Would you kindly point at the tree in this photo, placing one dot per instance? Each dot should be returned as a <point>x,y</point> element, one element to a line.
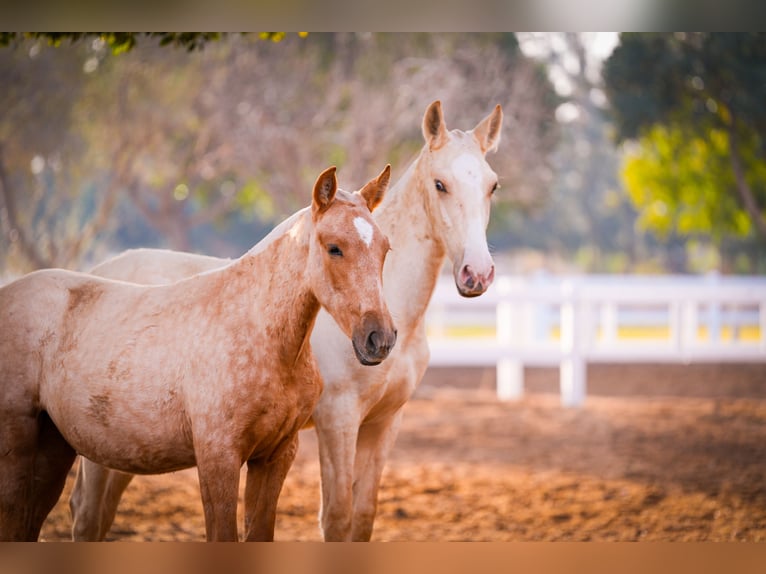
<point>39,91</point>
<point>695,103</point>
<point>583,218</point>
<point>205,150</point>
<point>687,197</point>
<point>85,122</point>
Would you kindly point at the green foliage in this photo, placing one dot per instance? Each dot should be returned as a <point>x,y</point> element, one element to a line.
<point>654,78</point>
<point>695,102</point>
<point>675,180</point>
<point>254,202</point>
<point>121,42</point>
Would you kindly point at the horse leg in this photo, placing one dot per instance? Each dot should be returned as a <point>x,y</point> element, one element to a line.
<point>53,460</point>
<point>34,462</point>
<point>95,497</point>
<point>264,483</point>
<point>18,446</point>
<point>337,446</point>
<point>372,449</point>
<point>218,473</point>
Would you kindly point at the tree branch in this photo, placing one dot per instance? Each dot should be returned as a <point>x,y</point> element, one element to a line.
<point>101,218</point>
<point>11,229</point>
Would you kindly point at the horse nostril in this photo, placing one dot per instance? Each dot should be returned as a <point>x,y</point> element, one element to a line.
<point>373,341</point>
<point>468,277</point>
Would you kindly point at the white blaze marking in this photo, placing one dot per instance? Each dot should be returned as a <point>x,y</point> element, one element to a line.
<point>466,169</point>
<point>365,230</point>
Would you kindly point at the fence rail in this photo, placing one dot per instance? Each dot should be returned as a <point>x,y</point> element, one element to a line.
<point>573,321</point>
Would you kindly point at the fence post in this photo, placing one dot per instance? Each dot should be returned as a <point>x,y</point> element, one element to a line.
<point>762,324</point>
<point>609,323</point>
<point>510,332</point>
<point>714,309</point>
<point>675,324</point>
<point>572,368</point>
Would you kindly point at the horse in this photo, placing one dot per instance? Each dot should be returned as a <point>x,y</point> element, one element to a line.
<point>215,370</point>
<point>439,208</point>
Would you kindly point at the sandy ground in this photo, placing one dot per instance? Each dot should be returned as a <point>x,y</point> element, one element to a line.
<point>674,453</point>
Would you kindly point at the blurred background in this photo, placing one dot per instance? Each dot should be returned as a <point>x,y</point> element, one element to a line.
<point>629,235</point>
<point>629,154</point>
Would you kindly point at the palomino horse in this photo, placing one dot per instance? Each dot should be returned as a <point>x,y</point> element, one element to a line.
<point>215,370</point>
<point>439,208</point>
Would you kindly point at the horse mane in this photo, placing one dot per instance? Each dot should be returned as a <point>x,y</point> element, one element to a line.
<point>281,229</point>
<point>292,225</point>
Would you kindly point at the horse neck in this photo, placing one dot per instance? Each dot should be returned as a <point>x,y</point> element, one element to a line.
<point>271,285</point>
<point>416,258</point>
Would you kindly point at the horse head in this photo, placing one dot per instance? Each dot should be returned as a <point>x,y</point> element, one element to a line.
<point>459,185</point>
<point>346,257</point>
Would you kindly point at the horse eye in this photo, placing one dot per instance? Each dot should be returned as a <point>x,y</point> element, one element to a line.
<point>494,188</point>
<point>334,251</point>
<point>440,186</point>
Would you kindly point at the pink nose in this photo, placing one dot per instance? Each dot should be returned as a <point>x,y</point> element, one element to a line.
<point>473,283</point>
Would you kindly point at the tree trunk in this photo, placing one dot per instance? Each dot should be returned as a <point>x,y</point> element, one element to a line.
<point>743,188</point>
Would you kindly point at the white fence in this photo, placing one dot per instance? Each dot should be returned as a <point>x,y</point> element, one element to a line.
<point>570,322</point>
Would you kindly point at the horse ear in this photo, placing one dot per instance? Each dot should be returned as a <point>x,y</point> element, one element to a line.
<point>324,190</point>
<point>487,131</point>
<point>375,189</point>
<point>434,127</point>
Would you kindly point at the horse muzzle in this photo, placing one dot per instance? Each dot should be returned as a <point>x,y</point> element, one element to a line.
<point>471,283</point>
<point>373,341</point>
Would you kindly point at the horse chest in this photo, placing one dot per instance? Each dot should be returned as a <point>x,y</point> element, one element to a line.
<point>386,391</point>
<point>280,407</point>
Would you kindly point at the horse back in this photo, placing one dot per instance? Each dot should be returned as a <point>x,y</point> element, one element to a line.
<point>156,266</point>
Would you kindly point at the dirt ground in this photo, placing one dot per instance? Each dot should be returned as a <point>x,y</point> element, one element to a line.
<point>673,453</point>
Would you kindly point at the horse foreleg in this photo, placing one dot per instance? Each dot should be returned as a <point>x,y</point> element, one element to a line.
<point>262,489</point>
<point>372,449</point>
<point>337,445</point>
<point>94,500</point>
<point>218,473</point>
